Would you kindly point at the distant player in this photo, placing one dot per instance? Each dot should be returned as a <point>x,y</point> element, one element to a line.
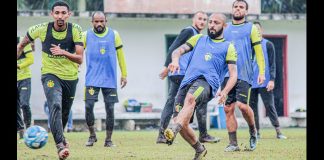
<point>265,89</point>
<point>24,87</point>
<point>103,46</point>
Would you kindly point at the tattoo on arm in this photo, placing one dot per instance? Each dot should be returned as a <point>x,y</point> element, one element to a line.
<point>184,49</point>
<point>24,42</point>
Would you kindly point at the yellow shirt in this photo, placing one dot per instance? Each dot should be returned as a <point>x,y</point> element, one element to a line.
<point>24,61</point>
<point>60,66</point>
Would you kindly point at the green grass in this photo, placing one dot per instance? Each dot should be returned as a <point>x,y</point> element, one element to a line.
<point>140,145</point>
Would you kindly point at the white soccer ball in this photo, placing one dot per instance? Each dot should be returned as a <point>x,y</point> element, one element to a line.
<point>35,137</point>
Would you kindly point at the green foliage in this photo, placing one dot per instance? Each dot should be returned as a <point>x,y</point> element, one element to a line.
<point>283,6</point>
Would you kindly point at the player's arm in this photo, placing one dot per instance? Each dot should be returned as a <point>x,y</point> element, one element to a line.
<point>272,65</point>
<point>78,41</point>
<point>29,60</point>
<point>84,37</point>
<point>272,60</point>
<point>184,35</point>
<point>231,58</point>
<point>256,43</point>
<point>21,45</point>
<point>121,59</point>
<point>185,48</point>
<point>32,33</point>
<point>180,39</point>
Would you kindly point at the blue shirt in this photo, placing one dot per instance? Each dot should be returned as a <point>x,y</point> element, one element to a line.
<point>185,59</point>
<point>267,67</point>
<point>101,60</point>
<point>239,35</point>
<point>208,60</point>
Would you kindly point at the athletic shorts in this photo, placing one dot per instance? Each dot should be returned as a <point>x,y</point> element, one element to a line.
<point>109,94</point>
<point>199,88</point>
<point>240,92</point>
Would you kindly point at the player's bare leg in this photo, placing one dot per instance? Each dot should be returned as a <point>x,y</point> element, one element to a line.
<point>182,118</point>
<point>231,125</point>
<point>182,126</point>
<point>248,115</point>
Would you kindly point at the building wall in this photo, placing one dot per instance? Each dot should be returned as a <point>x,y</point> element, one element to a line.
<point>145,52</point>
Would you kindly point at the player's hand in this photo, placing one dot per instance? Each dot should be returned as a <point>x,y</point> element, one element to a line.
<point>270,86</point>
<point>261,79</point>
<point>222,97</point>
<point>56,50</point>
<point>174,67</point>
<point>123,82</point>
<point>163,73</point>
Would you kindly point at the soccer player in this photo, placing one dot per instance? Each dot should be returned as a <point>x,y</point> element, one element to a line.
<point>265,89</point>
<point>245,37</point>
<point>103,46</point>
<point>199,21</point>
<point>24,87</point>
<point>62,52</point>
<point>211,55</point>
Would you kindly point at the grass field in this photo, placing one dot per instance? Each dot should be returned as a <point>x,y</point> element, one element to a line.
<point>140,145</point>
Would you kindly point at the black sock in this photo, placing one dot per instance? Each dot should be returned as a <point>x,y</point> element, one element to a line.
<point>252,130</point>
<point>198,147</point>
<point>232,138</point>
<point>108,135</point>
<point>278,130</point>
<point>92,131</point>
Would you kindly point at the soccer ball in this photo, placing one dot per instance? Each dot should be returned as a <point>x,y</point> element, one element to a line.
<point>35,137</point>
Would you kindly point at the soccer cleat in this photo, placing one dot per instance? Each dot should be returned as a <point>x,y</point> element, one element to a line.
<point>161,139</point>
<point>281,136</point>
<point>208,138</point>
<point>91,141</point>
<point>232,148</point>
<point>108,143</point>
<point>200,155</point>
<point>63,152</point>
<point>253,142</point>
<point>169,136</point>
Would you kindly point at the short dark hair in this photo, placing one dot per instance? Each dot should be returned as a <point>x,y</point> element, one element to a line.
<point>247,5</point>
<point>98,12</point>
<point>257,22</point>
<point>60,3</point>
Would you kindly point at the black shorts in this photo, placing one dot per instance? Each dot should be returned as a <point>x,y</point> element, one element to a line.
<point>109,94</point>
<point>240,92</point>
<point>199,88</point>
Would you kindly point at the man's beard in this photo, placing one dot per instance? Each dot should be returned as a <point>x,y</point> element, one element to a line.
<point>214,35</point>
<point>238,18</point>
<point>100,29</point>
